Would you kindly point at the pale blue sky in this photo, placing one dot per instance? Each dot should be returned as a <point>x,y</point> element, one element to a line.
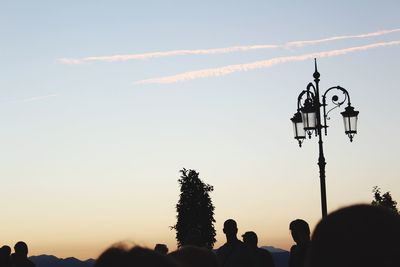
<point>89,157</point>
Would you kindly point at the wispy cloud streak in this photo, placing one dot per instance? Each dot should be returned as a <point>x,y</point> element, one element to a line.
<point>221,71</point>
<point>337,38</point>
<point>152,55</point>
<point>35,98</point>
<point>226,50</point>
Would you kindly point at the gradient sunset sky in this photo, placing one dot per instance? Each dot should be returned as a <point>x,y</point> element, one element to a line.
<point>103,102</point>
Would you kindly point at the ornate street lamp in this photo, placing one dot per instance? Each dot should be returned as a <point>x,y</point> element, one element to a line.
<point>298,128</point>
<point>309,119</point>
<point>350,121</point>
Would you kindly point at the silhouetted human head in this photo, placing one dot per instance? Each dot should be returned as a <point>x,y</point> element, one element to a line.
<point>357,236</point>
<point>230,228</point>
<point>192,256</point>
<point>5,251</point>
<point>161,248</point>
<point>250,239</point>
<point>300,231</point>
<point>121,256</point>
<point>21,248</point>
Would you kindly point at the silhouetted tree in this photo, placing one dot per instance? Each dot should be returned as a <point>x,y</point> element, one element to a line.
<point>384,200</point>
<point>195,218</point>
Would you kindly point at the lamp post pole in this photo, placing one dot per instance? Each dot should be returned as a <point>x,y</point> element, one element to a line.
<point>309,119</point>
<point>321,157</point>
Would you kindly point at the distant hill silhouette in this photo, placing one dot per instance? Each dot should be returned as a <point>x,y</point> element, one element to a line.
<point>281,257</point>
<point>274,249</point>
<point>52,261</point>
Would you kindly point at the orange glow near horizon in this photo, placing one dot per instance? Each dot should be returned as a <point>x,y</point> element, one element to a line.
<point>78,246</point>
<point>87,250</point>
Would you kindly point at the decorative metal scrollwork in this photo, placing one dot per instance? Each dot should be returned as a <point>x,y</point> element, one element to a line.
<point>337,101</point>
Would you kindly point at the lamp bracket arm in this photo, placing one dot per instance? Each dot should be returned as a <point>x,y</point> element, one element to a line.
<point>299,99</point>
<point>327,113</point>
<point>309,95</point>
<point>337,101</point>
<point>339,88</point>
<point>311,85</point>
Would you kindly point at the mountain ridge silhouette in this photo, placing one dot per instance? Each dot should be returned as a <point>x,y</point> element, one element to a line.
<point>53,261</point>
<point>280,257</point>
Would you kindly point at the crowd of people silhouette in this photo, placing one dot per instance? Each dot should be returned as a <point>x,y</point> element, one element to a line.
<point>17,259</point>
<point>355,236</point>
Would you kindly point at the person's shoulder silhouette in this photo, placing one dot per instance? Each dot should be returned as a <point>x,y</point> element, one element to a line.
<point>299,252</point>
<point>233,253</point>
<point>261,257</point>
<point>357,236</point>
<point>5,256</point>
<point>20,256</point>
<point>122,256</point>
<point>161,248</point>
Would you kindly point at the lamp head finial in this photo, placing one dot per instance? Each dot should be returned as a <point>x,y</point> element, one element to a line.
<point>316,73</point>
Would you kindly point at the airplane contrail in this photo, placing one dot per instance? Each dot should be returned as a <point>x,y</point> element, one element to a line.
<point>221,71</point>
<point>343,37</point>
<point>151,55</point>
<point>34,98</point>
